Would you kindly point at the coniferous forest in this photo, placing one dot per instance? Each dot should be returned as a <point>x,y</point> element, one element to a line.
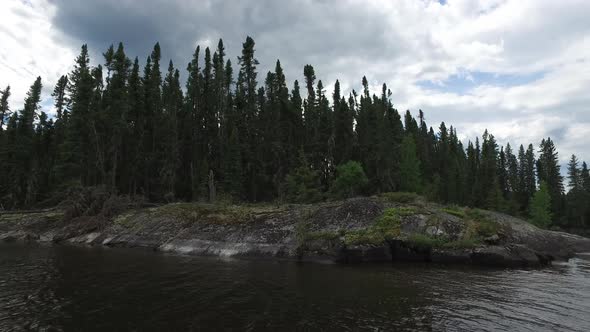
<point>228,133</point>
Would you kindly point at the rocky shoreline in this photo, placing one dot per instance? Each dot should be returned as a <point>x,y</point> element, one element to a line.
<point>368,229</point>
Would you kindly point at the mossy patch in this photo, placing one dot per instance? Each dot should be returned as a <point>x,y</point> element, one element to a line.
<point>454,211</point>
<point>386,227</point>
<point>425,242</point>
<point>51,216</point>
<point>478,226</point>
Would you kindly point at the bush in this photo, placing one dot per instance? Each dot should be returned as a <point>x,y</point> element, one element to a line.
<point>400,197</point>
<point>350,180</point>
<point>94,201</point>
<point>363,237</point>
<point>540,207</point>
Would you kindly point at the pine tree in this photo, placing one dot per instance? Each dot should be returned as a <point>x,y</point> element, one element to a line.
<point>528,186</point>
<point>548,171</point>
<point>325,138</point>
<point>390,138</point>
<point>577,198</point>
<point>4,107</point>
<point>573,174</point>
<point>73,159</point>
<point>134,157</point>
<point>116,109</point>
<point>410,177</point>
<point>24,174</point>
<point>167,132</point>
<point>247,108</point>
<point>513,180</point>
<point>191,131</point>
<point>152,82</point>
<point>585,179</point>
<point>343,127</point>
<point>139,134</point>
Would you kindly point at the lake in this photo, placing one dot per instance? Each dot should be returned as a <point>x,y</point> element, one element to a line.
<point>64,288</point>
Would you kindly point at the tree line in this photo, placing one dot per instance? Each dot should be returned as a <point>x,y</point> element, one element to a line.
<point>138,131</point>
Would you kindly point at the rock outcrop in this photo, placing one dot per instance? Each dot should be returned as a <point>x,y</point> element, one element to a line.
<point>357,230</point>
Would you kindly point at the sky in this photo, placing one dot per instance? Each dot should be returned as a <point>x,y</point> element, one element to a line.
<point>520,68</point>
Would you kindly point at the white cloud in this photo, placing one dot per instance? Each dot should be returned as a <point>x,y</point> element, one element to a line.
<point>30,47</point>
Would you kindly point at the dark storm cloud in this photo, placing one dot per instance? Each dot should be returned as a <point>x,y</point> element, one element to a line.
<point>296,32</point>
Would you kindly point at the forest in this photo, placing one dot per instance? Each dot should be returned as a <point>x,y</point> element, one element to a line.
<point>228,134</point>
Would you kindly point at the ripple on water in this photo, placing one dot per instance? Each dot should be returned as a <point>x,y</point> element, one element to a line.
<point>66,288</point>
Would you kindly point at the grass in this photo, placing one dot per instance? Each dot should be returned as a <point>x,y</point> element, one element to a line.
<point>400,197</point>
<point>480,225</point>
<point>370,236</point>
<point>454,211</point>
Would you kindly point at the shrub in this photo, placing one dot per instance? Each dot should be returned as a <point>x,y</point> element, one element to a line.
<point>425,242</point>
<point>303,185</point>
<point>364,236</point>
<point>350,180</point>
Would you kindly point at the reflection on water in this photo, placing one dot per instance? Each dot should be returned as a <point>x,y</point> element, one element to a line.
<point>99,289</point>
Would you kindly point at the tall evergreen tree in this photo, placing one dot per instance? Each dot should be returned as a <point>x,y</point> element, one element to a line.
<point>577,197</point>
<point>247,108</point>
<point>343,127</point>
<point>410,177</point>
<point>74,160</point>
<point>4,107</point>
<point>548,171</point>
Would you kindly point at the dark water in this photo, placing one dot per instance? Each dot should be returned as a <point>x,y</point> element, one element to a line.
<point>79,289</point>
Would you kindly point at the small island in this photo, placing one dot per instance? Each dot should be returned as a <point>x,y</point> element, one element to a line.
<point>386,228</point>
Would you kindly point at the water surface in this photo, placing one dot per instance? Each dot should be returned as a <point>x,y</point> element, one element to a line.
<point>55,288</point>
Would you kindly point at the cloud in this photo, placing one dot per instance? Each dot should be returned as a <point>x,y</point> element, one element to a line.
<point>31,47</point>
<point>520,68</point>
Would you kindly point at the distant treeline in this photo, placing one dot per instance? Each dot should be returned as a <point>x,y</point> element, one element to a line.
<point>138,132</point>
